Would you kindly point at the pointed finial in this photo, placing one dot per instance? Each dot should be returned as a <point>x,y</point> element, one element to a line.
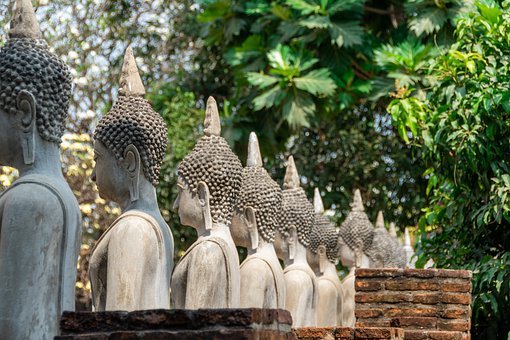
<point>393,230</point>
<point>24,23</point>
<point>357,203</point>
<point>130,83</point>
<point>407,238</point>
<point>254,157</point>
<point>379,223</point>
<point>291,179</point>
<point>317,202</point>
<point>212,124</point>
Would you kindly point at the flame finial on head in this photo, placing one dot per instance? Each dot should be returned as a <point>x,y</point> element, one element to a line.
<point>379,223</point>
<point>130,83</point>
<point>254,157</point>
<point>212,124</point>
<point>407,238</point>
<point>24,23</point>
<point>357,203</point>
<point>291,179</point>
<point>317,202</point>
<point>393,230</point>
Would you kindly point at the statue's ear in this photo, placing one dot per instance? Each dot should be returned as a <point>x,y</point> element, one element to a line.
<point>132,164</point>
<point>321,251</point>
<point>251,221</point>
<point>292,242</point>
<point>26,118</point>
<point>204,199</point>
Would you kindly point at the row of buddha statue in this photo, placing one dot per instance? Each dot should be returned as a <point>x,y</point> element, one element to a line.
<point>131,265</point>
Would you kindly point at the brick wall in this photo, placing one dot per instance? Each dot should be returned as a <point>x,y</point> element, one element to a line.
<point>426,303</point>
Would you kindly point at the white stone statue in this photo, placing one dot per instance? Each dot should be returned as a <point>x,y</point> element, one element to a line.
<point>292,238</point>
<point>256,217</point>
<point>408,249</point>
<point>131,264</point>
<point>40,220</point>
<point>209,180</point>
<point>322,255</point>
<point>385,251</point>
<point>355,236</point>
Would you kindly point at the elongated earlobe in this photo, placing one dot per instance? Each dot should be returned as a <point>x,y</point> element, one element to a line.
<point>321,251</point>
<point>249,215</point>
<point>132,164</point>
<point>26,119</point>
<point>292,242</point>
<point>203,195</point>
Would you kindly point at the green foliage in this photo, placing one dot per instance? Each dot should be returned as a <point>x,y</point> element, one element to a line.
<point>461,126</point>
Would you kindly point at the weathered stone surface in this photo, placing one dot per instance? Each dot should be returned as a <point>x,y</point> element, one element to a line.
<point>368,286</point>
<point>378,333</point>
<point>347,333</point>
<point>366,272</point>
<point>398,312</point>
<point>460,298</point>
<point>434,335</point>
<point>409,284</point>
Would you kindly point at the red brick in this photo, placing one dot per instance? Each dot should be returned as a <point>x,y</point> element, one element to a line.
<point>453,325</point>
<point>396,312</point>
<point>418,322</point>
<point>314,333</point>
<point>421,273</point>
<point>344,333</point>
<point>378,333</point>
<point>367,272</point>
<point>432,335</point>
<point>464,287</point>
<point>459,274</point>
<point>411,284</point>
<point>368,285</point>
<point>369,313</point>
<point>381,322</point>
<point>426,298</point>
<point>455,313</point>
<point>386,297</point>
<point>460,298</point>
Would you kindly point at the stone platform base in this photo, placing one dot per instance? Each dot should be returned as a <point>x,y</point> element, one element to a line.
<point>345,333</point>
<point>249,324</point>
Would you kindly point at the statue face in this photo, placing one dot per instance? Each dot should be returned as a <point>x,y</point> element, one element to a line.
<point>281,246</point>
<point>346,254</point>
<point>110,177</point>
<point>239,230</point>
<point>313,260</point>
<point>9,143</point>
<point>189,207</point>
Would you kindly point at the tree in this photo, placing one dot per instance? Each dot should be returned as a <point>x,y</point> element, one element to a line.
<point>461,127</point>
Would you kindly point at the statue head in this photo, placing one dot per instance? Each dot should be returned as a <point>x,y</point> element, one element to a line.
<point>259,202</point>
<point>209,177</point>
<point>35,90</point>
<point>130,141</point>
<point>380,251</point>
<point>296,217</point>
<point>356,234</point>
<point>323,238</point>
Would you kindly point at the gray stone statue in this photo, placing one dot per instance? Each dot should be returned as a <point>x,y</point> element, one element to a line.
<point>322,256</point>
<point>209,180</point>
<point>385,251</point>
<point>355,236</point>
<point>291,241</point>
<point>131,264</point>
<point>40,220</point>
<point>255,219</point>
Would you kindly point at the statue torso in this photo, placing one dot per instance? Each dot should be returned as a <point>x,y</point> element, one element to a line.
<point>207,275</point>
<point>301,285</point>
<point>38,252</point>
<point>152,291</point>
<point>330,301</point>
<point>348,303</point>
<point>267,266</point>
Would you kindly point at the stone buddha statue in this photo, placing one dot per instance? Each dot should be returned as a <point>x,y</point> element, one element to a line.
<point>408,250</point>
<point>131,264</point>
<point>322,255</point>
<point>209,181</point>
<point>355,236</point>
<point>254,224</point>
<point>384,252</point>
<point>40,220</point>
<point>292,239</point>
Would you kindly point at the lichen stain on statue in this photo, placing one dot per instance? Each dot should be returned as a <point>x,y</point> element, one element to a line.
<point>322,255</point>
<point>292,238</point>
<point>131,264</point>
<point>254,223</point>
<point>40,221</point>
<point>209,180</point>
<point>354,237</point>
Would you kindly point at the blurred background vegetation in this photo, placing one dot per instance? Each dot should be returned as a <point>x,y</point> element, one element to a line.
<point>407,100</point>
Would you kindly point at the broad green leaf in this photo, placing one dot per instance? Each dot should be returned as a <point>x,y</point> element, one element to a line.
<point>260,79</point>
<point>281,12</point>
<point>233,27</point>
<point>346,33</point>
<point>297,109</point>
<point>316,21</point>
<point>303,6</point>
<point>427,21</point>
<point>316,82</point>
<point>267,99</point>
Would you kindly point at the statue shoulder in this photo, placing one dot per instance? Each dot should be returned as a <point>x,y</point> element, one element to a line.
<point>134,227</point>
<point>327,286</point>
<point>297,277</point>
<point>255,266</point>
<point>30,199</point>
<point>205,249</point>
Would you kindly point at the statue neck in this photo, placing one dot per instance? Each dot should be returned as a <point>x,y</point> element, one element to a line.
<point>330,269</point>
<point>147,199</point>
<point>264,247</point>
<point>218,229</point>
<point>299,256</point>
<point>46,161</point>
